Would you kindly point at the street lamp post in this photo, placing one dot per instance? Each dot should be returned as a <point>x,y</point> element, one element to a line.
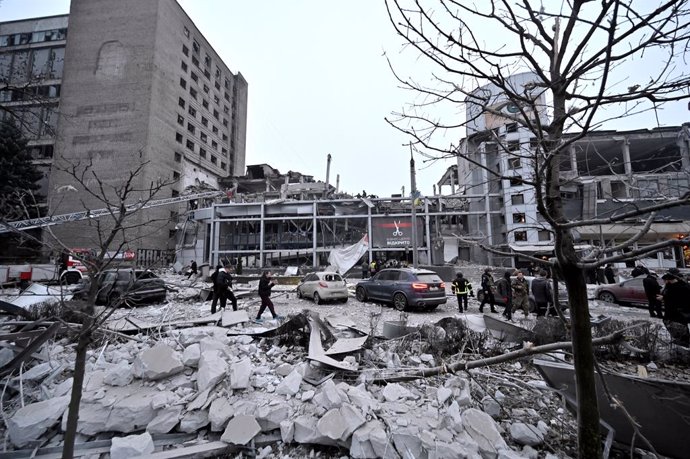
<point>413,195</point>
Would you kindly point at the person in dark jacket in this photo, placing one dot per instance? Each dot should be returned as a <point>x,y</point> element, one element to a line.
<point>639,270</point>
<point>652,289</point>
<point>505,291</point>
<point>222,287</point>
<point>542,293</point>
<point>193,270</point>
<point>520,293</point>
<point>216,291</point>
<point>462,287</point>
<point>488,289</point>
<point>265,285</point>
<point>676,308</point>
<point>365,269</point>
<point>609,274</point>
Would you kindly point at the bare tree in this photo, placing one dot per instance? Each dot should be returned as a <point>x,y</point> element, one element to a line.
<point>113,233</point>
<point>590,63</point>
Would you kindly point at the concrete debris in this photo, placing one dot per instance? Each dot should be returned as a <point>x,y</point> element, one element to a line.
<point>287,431</point>
<point>329,396</point>
<point>193,421</point>
<point>240,430</point>
<point>165,420</point>
<point>408,443</point>
<point>443,394</point>
<point>212,368</point>
<point>240,372</point>
<point>119,375</point>
<point>484,431</point>
<point>525,434</point>
<point>157,362</point>
<point>191,355</point>
<point>491,407</point>
<point>290,384</point>
<point>131,446</point>
<point>270,417</point>
<point>394,392</point>
<point>219,413</point>
<point>306,431</point>
<point>31,421</point>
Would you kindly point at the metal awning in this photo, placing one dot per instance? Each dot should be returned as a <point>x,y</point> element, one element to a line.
<point>531,248</point>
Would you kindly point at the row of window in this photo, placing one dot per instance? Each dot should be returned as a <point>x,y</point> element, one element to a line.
<point>208,62</point>
<point>521,236</point>
<point>33,37</point>
<point>190,145</point>
<point>31,93</point>
<point>205,122</point>
<point>206,89</point>
<point>27,65</point>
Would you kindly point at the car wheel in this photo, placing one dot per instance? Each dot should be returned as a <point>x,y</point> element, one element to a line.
<point>299,294</point>
<point>361,294</point>
<point>317,298</point>
<point>608,297</point>
<point>400,301</point>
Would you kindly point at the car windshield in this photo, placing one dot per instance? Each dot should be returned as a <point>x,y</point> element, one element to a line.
<point>332,277</point>
<point>429,278</point>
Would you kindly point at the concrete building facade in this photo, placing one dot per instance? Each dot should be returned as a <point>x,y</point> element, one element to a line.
<point>141,85</point>
<point>603,173</point>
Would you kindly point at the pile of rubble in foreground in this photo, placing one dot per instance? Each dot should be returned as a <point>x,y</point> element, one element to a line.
<point>274,392</point>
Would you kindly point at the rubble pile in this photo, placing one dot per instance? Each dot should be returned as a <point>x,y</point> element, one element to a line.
<point>236,389</point>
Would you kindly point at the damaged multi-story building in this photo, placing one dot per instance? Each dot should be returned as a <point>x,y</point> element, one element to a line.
<point>604,173</point>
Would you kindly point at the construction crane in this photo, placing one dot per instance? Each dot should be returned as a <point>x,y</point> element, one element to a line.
<point>23,225</point>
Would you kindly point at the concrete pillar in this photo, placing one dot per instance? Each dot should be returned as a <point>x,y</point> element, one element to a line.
<point>627,163</point>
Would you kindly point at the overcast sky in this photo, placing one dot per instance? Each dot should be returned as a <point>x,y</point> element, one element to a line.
<point>318,83</point>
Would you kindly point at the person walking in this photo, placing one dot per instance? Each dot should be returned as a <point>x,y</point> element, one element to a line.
<point>229,294</point>
<point>488,289</point>
<point>520,294</point>
<point>542,292</point>
<point>676,308</point>
<point>505,291</point>
<point>462,287</point>
<point>372,268</point>
<point>652,289</point>
<point>365,269</point>
<point>609,274</point>
<point>639,270</point>
<point>216,289</point>
<point>192,270</point>
<point>265,285</point>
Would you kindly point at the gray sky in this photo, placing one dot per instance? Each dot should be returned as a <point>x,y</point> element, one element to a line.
<point>318,84</point>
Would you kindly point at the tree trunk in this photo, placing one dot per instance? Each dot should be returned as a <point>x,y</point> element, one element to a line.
<point>75,400</point>
<point>589,444</point>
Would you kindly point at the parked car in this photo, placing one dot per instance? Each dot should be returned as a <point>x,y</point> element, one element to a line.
<point>629,291</point>
<point>403,288</point>
<point>131,286</point>
<point>323,286</point>
<point>562,294</point>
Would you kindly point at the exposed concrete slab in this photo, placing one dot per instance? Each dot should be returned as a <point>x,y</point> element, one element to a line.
<point>157,362</point>
<point>290,384</point>
<point>483,430</point>
<point>193,421</point>
<point>219,413</point>
<point>30,422</point>
<point>240,372</point>
<point>191,355</point>
<point>231,318</point>
<point>212,368</point>
<point>131,446</point>
<point>525,434</point>
<point>240,430</point>
<point>165,420</point>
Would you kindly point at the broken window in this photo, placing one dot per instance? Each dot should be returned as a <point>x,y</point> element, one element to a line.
<point>648,188</point>
<point>519,217</point>
<point>544,235</point>
<point>517,199</point>
<point>520,236</point>
<point>511,127</point>
<point>513,145</point>
<point>514,163</point>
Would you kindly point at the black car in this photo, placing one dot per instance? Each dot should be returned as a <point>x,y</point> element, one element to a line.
<point>403,288</point>
<point>127,286</point>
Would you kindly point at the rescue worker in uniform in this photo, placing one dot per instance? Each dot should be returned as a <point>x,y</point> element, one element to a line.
<point>505,291</point>
<point>520,293</point>
<point>462,287</point>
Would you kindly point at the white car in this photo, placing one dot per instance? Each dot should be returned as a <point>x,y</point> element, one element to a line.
<point>323,286</point>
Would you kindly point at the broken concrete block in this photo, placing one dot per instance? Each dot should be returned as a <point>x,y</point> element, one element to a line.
<point>380,442</point>
<point>491,407</point>
<point>444,450</point>
<point>191,355</point>
<point>212,344</point>
<point>157,362</point>
<point>212,368</point>
<point>290,384</point>
<point>283,369</point>
<point>362,399</point>
<point>119,374</point>
<point>6,356</point>
<point>193,335</point>
<point>240,372</point>
<point>360,447</point>
<point>407,443</point>
<point>219,413</point>
<point>240,430</point>
<point>331,424</point>
<point>483,429</point>
<point>30,422</point>
<point>270,417</point>
<point>131,446</point>
<point>165,420</point>
<point>354,419</point>
<point>162,399</point>
<point>194,420</point>
<point>394,392</point>
<point>443,394</point>
<point>306,431</point>
<point>287,431</point>
<point>64,388</point>
<point>329,396</point>
<point>525,434</point>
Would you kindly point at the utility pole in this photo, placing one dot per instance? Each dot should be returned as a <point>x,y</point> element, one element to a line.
<point>413,195</point>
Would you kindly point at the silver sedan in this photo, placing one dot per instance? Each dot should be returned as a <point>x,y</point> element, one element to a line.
<point>323,286</point>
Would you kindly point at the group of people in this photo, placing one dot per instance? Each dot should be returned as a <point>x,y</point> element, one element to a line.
<point>670,303</point>
<point>514,292</point>
<point>222,291</point>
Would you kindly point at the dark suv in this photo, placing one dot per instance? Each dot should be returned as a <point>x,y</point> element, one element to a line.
<point>127,285</point>
<point>404,287</point>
